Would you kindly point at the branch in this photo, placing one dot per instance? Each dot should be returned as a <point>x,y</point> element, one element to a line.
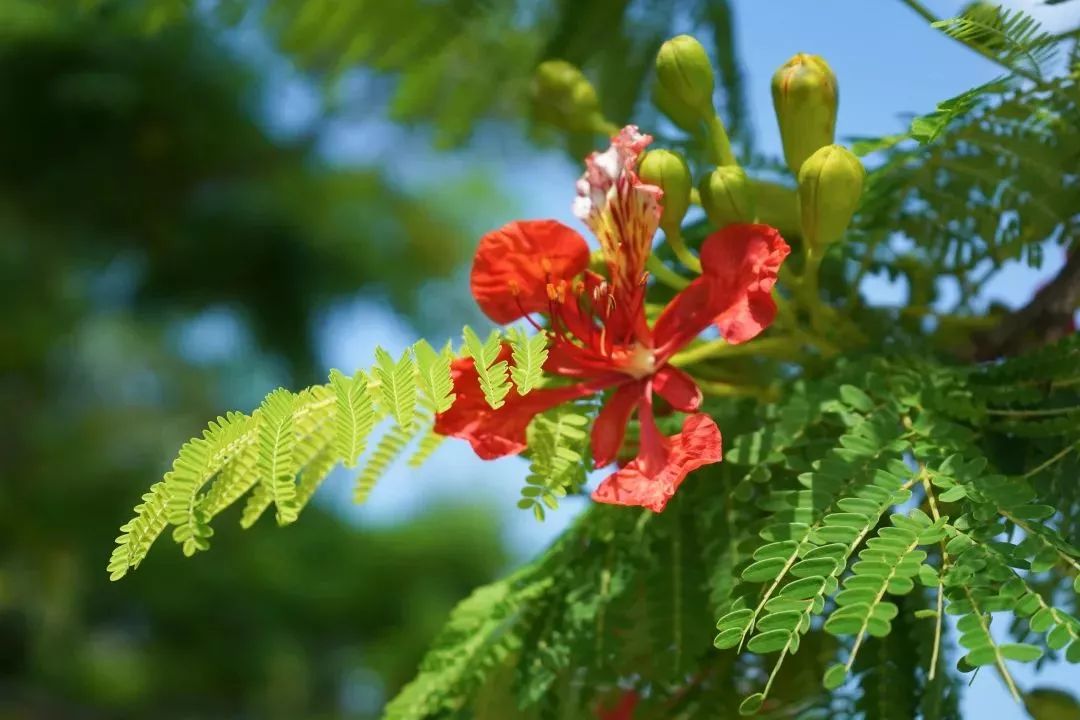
<point>1048,317</point>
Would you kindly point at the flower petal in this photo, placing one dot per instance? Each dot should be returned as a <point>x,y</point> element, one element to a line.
<point>623,708</point>
<point>495,433</point>
<point>641,484</point>
<point>610,427</point>
<point>621,210</point>
<point>514,265</point>
<point>741,262</point>
<point>678,388</point>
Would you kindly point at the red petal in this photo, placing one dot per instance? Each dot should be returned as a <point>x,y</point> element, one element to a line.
<point>514,264</point>
<point>610,426</point>
<point>622,710</point>
<point>640,484</point>
<point>678,388</point>
<point>741,262</point>
<point>495,433</point>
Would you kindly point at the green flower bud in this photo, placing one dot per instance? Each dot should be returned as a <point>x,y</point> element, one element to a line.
<point>830,185</point>
<point>685,75</point>
<point>668,171</point>
<point>682,115</point>
<point>804,97</point>
<point>564,97</point>
<point>727,196</point>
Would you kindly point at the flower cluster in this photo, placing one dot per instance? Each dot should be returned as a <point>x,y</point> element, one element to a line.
<point>600,337</point>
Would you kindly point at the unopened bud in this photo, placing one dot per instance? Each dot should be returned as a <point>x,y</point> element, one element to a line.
<point>685,75</point>
<point>682,115</point>
<point>668,171</point>
<point>727,196</point>
<point>564,97</point>
<point>830,185</point>
<point>805,98</point>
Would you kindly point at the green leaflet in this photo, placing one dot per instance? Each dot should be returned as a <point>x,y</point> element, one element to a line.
<point>529,353</point>
<point>139,533</point>
<point>388,449</point>
<point>355,415</point>
<point>558,444</point>
<point>282,452</point>
<point>276,462</point>
<point>1013,38</point>
<point>397,386</point>
<point>433,375</point>
<point>492,375</point>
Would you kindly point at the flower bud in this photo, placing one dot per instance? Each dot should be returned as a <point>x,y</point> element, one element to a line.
<point>830,185</point>
<point>727,196</point>
<point>685,75</point>
<point>668,171</point>
<point>564,97</point>
<point>682,115</point>
<point>804,97</point>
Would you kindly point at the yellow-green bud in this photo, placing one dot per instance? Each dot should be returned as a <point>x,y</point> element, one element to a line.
<point>564,97</point>
<point>830,185</point>
<point>804,96</point>
<point>685,75</point>
<point>727,196</point>
<point>682,115</point>
<point>668,171</point>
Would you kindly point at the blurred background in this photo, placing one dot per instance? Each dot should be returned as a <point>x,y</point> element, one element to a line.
<point>200,201</point>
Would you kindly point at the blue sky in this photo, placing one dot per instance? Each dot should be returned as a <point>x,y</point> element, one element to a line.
<point>889,64</point>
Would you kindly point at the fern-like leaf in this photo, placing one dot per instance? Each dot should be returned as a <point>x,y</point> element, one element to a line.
<point>529,352</point>
<point>1012,37</point>
<point>355,415</point>
<point>493,375</point>
<point>139,533</point>
<point>388,449</point>
<point>397,386</point>
<point>433,372</point>
<point>276,461</point>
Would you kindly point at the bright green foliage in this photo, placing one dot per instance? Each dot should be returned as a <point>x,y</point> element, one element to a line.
<point>140,532</point>
<point>1012,38</point>
<point>529,353</point>
<point>558,446</point>
<point>355,415</point>
<point>276,462</point>
<point>397,386</point>
<point>491,371</point>
<point>280,454</point>
<point>433,374</point>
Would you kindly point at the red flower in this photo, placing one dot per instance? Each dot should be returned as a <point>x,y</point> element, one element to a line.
<point>622,710</point>
<point>600,336</point>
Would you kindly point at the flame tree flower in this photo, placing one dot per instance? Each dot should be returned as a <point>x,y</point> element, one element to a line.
<point>599,334</point>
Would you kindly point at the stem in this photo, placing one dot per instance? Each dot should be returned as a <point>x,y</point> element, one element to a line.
<point>665,274</point>
<point>678,246</point>
<point>936,514</point>
<point>1003,671</point>
<point>1035,471</point>
<point>717,143</point>
<point>922,10</point>
<point>808,287</point>
<point>783,346</point>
